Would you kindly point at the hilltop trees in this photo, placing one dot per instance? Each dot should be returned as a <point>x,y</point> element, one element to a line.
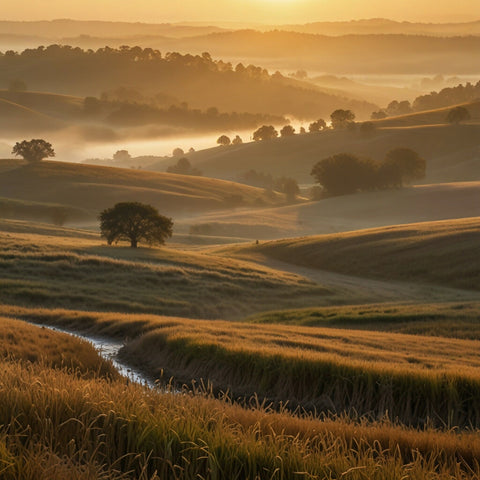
<point>346,173</point>
<point>134,222</point>
<point>34,150</point>
<point>224,141</point>
<point>287,131</point>
<point>320,124</point>
<point>266,132</point>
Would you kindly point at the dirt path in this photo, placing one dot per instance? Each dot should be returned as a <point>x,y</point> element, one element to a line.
<point>351,289</point>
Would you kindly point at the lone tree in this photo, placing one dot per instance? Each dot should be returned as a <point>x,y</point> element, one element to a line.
<point>224,141</point>
<point>237,140</point>
<point>266,132</point>
<point>33,150</point>
<point>457,115</point>
<point>342,118</point>
<point>134,222</point>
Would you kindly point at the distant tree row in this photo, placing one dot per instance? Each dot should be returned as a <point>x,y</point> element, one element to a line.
<point>129,113</point>
<point>225,141</point>
<point>339,119</point>
<point>444,98</point>
<point>346,173</point>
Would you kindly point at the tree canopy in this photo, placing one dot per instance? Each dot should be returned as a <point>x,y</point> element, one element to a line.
<point>135,222</point>
<point>341,118</point>
<point>346,173</point>
<point>223,140</point>
<point>287,131</point>
<point>266,132</point>
<point>33,150</point>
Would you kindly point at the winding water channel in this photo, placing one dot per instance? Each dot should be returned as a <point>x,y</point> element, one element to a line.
<point>109,349</point>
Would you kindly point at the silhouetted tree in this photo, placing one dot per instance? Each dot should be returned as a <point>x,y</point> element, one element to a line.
<point>134,222</point>
<point>342,118</point>
<point>302,131</point>
<point>344,173</point>
<point>399,108</point>
<point>288,186</point>
<point>407,162</point>
<point>33,150</point>
<point>122,156</point>
<point>237,140</point>
<point>266,132</point>
<point>287,131</point>
<point>178,152</point>
<point>457,115</point>
<point>380,115</point>
<point>224,140</point>
<point>320,124</point>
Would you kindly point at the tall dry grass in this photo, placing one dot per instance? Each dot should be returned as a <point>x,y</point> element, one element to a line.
<point>416,380</point>
<point>23,342</point>
<point>55,425</point>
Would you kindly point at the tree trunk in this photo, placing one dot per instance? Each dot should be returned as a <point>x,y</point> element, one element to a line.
<point>133,243</point>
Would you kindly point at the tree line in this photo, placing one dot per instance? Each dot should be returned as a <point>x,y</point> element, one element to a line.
<point>444,98</point>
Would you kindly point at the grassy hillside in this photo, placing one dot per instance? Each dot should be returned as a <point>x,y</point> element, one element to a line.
<point>451,152</point>
<point>94,188</point>
<point>66,268</point>
<point>346,213</point>
<point>443,252</point>
<point>51,104</point>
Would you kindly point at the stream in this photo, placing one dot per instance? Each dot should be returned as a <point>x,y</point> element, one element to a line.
<point>108,349</point>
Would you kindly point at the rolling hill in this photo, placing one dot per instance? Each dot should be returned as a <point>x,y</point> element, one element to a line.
<point>436,116</point>
<point>349,212</point>
<point>445,252</point>
<point>94,188</point>
<point>451,151</point>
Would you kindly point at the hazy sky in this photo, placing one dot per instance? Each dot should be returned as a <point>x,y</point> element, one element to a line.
<point>255,11</point>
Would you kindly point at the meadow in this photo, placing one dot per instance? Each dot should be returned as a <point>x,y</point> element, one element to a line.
<point>267,376</point>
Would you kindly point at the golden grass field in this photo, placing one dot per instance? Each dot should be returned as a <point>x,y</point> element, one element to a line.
<point>105,428</point>
<point>362,391</point>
